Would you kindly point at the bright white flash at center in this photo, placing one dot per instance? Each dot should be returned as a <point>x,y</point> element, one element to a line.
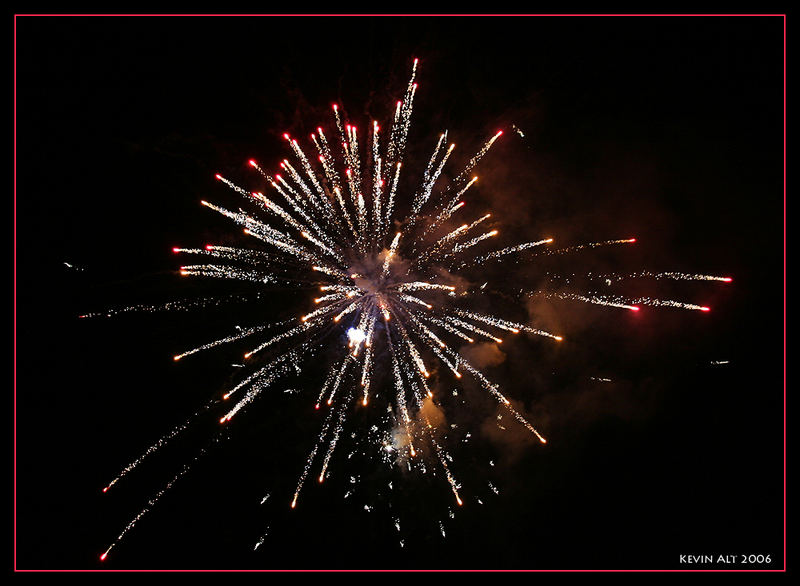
<point>356,336</point>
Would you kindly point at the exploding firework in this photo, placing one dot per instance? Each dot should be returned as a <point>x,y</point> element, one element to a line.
<point>388,286</point>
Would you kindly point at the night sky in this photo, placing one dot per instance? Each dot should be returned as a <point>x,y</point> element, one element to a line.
<point>669,130</point>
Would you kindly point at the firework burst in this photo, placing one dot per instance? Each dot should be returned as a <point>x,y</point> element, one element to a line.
<point>384,288</point>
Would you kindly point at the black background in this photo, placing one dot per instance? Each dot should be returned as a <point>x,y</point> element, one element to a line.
<point>664,128</point>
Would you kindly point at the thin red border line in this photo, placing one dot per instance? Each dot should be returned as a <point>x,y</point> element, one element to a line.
<point>671,570</point>
<point>784,293</point>
<point>15,293</point>
<point>417,571</point>
<point>473,15</point>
